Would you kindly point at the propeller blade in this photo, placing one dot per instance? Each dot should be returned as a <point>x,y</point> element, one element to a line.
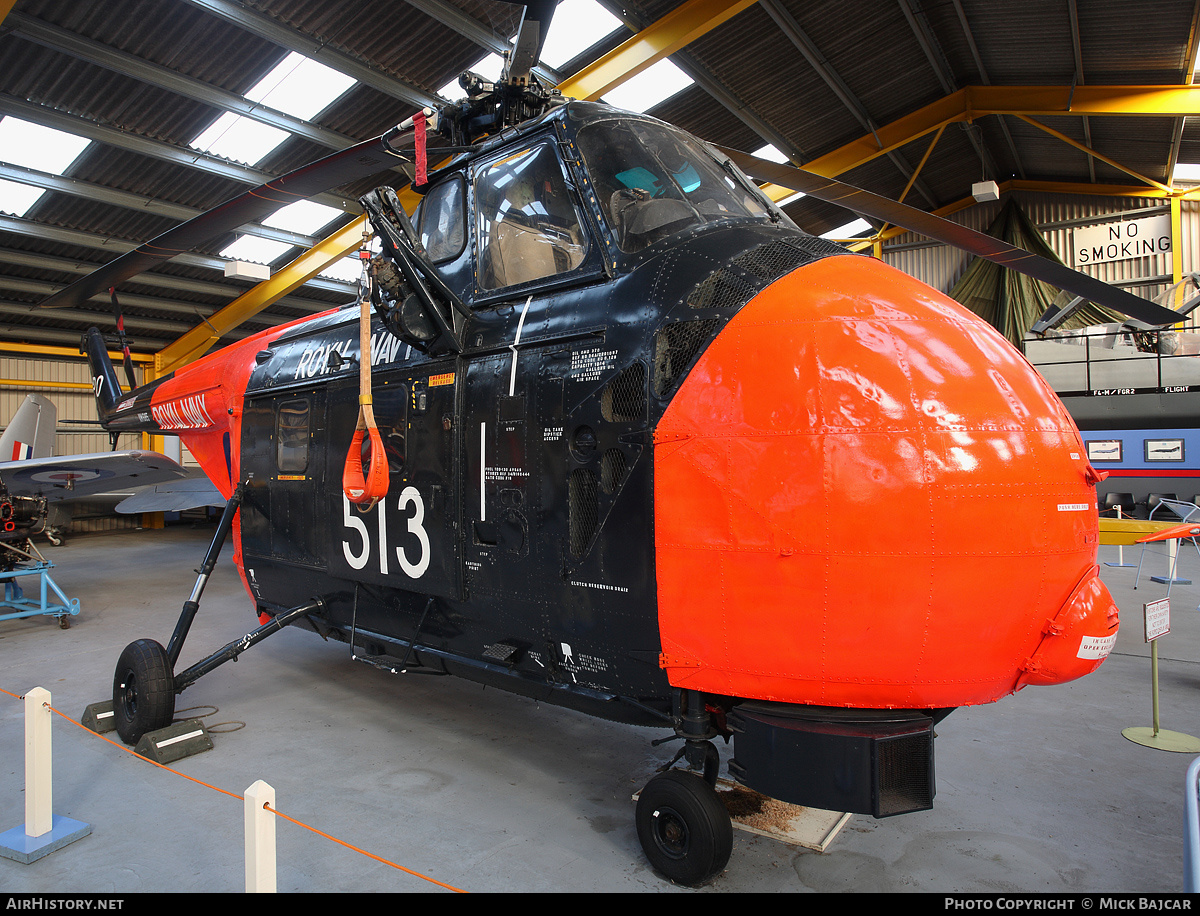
<point>354,162</point>
<point>943,230</point>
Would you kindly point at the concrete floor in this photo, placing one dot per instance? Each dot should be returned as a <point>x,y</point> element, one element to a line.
<point>488,792</point>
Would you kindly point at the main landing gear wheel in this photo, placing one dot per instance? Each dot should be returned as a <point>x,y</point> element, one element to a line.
<point>683,827</point>
<point>143,690</point>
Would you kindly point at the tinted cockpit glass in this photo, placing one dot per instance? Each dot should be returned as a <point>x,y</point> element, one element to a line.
<point>653,181</point>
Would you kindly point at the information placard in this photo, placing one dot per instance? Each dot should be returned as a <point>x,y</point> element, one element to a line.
<point>1157,615</point>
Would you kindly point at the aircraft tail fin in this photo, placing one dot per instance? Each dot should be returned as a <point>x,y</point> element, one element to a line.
<point>104,376</point>
<point>30,433</point>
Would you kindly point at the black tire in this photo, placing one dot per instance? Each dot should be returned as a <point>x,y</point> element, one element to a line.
<point>143,690</point>
<point>684,829</point>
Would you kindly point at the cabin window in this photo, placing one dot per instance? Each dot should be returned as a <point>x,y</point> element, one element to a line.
<point>441,222</point>
<point>292,436</point>
<point>653,182</point>
<point>529,226</point>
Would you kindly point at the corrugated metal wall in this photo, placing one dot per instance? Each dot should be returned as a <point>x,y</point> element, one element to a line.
<point>1056,216</point>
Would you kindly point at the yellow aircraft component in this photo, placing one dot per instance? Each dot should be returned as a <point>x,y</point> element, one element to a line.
<point>1126,531</point>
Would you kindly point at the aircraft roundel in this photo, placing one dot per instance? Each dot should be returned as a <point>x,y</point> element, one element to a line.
<point>63,477</point>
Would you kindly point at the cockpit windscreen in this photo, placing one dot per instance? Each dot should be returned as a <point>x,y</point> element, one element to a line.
<point>653,182</point>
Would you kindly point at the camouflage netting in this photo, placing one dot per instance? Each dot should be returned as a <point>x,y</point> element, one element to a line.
<point>1010,301</point>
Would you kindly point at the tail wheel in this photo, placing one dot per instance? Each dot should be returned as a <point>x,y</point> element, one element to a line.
<point>684,829</point>
<point>143,690</point>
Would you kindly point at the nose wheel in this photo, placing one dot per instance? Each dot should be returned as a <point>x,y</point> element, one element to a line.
<point>683,827</point>
<point>143,690</point>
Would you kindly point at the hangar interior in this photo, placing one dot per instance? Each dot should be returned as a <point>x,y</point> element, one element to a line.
<point>120,120</point>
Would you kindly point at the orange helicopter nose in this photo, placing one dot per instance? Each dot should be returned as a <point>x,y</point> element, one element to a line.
<point>865,497</point>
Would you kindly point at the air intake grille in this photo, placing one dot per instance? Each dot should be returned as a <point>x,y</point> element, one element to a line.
<point>624,398</point>
<point>773,260</point>
<point>676,347</point>
<point>721,289</point>
<point>612,469</point>
<point>904,765</point>
<point>584,509</point>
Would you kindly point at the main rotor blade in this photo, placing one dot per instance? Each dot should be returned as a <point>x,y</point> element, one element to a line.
<point>354,162</point>
<point>943,230</point>
<point>531,35</point>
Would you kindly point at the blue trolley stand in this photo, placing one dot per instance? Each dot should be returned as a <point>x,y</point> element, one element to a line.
<point>14,595</point>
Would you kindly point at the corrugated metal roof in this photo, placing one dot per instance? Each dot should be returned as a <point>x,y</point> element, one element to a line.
<point>842,71</point>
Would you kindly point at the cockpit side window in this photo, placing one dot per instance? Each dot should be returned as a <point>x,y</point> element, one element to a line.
<point>441,223</point>
<point>292,436</point>
<point>529,226</point>
<point>653,182</point>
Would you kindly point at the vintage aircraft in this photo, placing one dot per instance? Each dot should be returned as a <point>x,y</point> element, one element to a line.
<point>619,436</point>
<point>38,489</point>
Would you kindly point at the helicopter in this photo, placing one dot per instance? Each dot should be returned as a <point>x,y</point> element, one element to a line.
<point>606,429</point>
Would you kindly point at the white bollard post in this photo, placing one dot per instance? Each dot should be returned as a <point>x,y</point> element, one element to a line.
<point>39,780</point>
<point>260,839</point>
<point>42,832</point>
<point>1120,547</point>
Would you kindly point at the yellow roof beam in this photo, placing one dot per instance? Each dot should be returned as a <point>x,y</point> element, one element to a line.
<point>677,29</point>
<point>1149,101</point>
<point>980,101</point>
<point>199,340</point>
<point>1091,152</point>
<point>975,102</point>
<point>67,352</point>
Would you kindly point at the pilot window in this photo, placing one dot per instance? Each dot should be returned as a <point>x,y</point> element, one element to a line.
<point>291,436</point>
<point>441,223</point>
<point>529,227</point>
<point>653,182</point>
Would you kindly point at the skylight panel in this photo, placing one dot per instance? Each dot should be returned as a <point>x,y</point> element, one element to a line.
<point>849,230</point>
<point>1186,171</point>
<point>18,199</point>
<point>300,87</point>
<point>773,154</point>
<point>297,86</point>
<point>252,248</point>
<point>650,87</point>
<point>348,269</point>
<point>240,139</point>
<point>35,147</point>
<point>576,26</point>
<point>304,217</point>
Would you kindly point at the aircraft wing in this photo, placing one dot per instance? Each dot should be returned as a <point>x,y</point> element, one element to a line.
<point>174,496</point>
<point>77,476</point>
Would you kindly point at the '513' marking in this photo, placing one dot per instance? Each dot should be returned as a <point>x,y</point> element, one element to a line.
<point>413,570</point>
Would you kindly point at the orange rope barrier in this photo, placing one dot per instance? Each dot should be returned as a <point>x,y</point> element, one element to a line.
<point>332,839</point>
<point>369,855</point>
